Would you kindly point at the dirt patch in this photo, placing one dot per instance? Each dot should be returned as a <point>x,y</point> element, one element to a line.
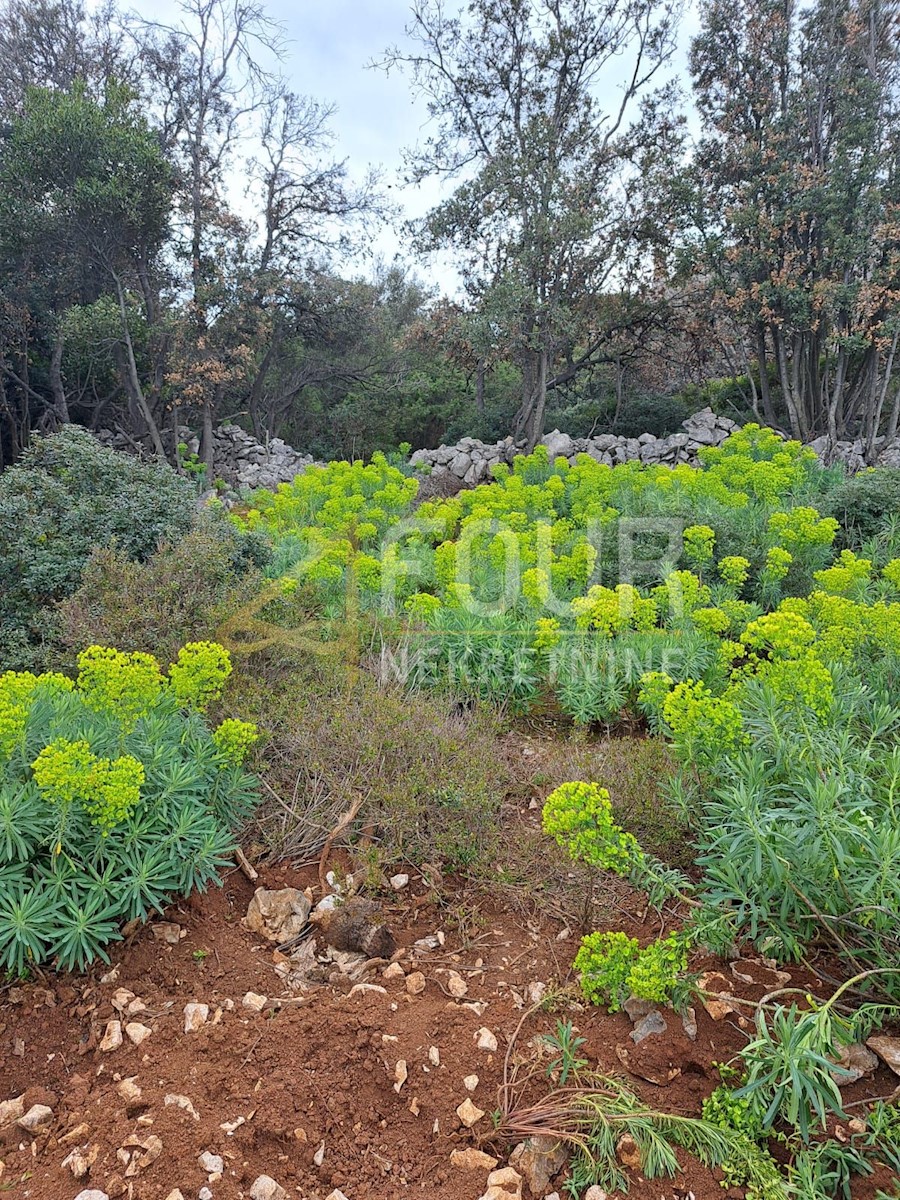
<point>309,1091</point>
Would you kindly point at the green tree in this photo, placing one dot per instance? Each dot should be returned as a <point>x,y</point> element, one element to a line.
<point>84,202</point>
<point>545,223</point>
<point>797,192</point>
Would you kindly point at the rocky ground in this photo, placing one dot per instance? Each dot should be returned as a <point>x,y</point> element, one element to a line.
<point>364,1062</point>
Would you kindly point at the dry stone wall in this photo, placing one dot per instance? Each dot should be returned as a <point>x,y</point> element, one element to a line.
<point>243,462</point>
<point>472,462</point>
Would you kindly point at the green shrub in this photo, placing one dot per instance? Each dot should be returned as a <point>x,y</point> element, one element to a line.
<point>864,505</point>
<point>432,779</point>
<point>613,967</point>
<point>68,496</point>
<point>181,593</point>
<point>114,797</point>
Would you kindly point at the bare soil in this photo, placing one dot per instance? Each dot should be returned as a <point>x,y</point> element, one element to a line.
<point>305,1091</point>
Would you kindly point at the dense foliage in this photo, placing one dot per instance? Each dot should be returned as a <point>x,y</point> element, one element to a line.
<point>769,659</point>
<point>115,796</point>
<point>177,234</point>
<point>68,497</point>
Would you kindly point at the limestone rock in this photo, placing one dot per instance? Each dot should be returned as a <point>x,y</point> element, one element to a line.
<point>471,1159</point>
<point>264,1187</point>
<point>856,1059</point>
<point>415,983</point>
<point>505,1184</point>
<point>559,445</point>
<point>278,915</point>
<point>212,1164</point>
<point>11,1110</point>
<point>195,1016</point>
<point>129,1090</point>
<point>652,1023</point>
<point>888,1050</point>
<point>174,1100</point>
<point>487,1040</point>
<point>112,1037</point>
<point>469,1113</point>
<point>538,1159</point>
<point>456,985</point>
<point>37,1116</point>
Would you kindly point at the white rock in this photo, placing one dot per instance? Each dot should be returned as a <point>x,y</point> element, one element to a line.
<point>399,881</point>
<point>278,915</point>
<point>595,1192</point>
<point>468,1113</point>
<point>195,1016</point>
<point>128,1089</point>
<point>137,1032</point>
<point>487,1040</point>
<point>534,992</point>
<point>205,1194</point>
<point>184,1102</point>
<point>264,1187</point>
<point>254,1002</point>
<point>175,1194</point>
<point>434,1056</point>
<point>337,1194</point>
<point>92,1194</point>
<point>112,1038</point>
<point>37,1115</point>
<point>505,1184</point>
<point>393,971</point>
<point>168,932</point>
<point>470,1083</point>
<point>401,1074</point>
<point>11,1110</point>
<point>212,1164</point>
<point>471,1159</point>
<point>456,985</point>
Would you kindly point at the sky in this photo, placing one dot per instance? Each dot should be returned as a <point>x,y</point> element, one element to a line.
<point>330,44</point>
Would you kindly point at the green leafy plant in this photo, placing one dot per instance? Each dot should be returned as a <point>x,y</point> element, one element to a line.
<point>566,1043</point>
<point>66,497</point>
<point>115,796</point>
<point>594,1116</point>
<point>613,967</point>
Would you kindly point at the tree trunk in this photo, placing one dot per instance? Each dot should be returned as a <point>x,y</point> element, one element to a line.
<point>784,377</point>
<point>877,415</point>
<point>764,390</point>
<point>207,453</point>
<point>132,379</point>
<point>535,427</point>
<point>60,404</point>
<point>479,388</point>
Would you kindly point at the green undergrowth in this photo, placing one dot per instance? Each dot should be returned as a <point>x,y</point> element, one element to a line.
<point>115,797</point>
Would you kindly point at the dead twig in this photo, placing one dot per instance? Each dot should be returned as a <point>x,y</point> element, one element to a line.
<point>342,824</point>
<point>246,866</point>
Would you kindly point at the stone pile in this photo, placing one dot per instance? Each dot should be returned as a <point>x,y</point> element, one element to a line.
<point>852,454</point>
<point>238,457</point>
<point>472,461</point>
<point>244,462</point>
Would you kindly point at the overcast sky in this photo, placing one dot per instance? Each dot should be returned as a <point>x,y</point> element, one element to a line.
<point>331,43</point>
